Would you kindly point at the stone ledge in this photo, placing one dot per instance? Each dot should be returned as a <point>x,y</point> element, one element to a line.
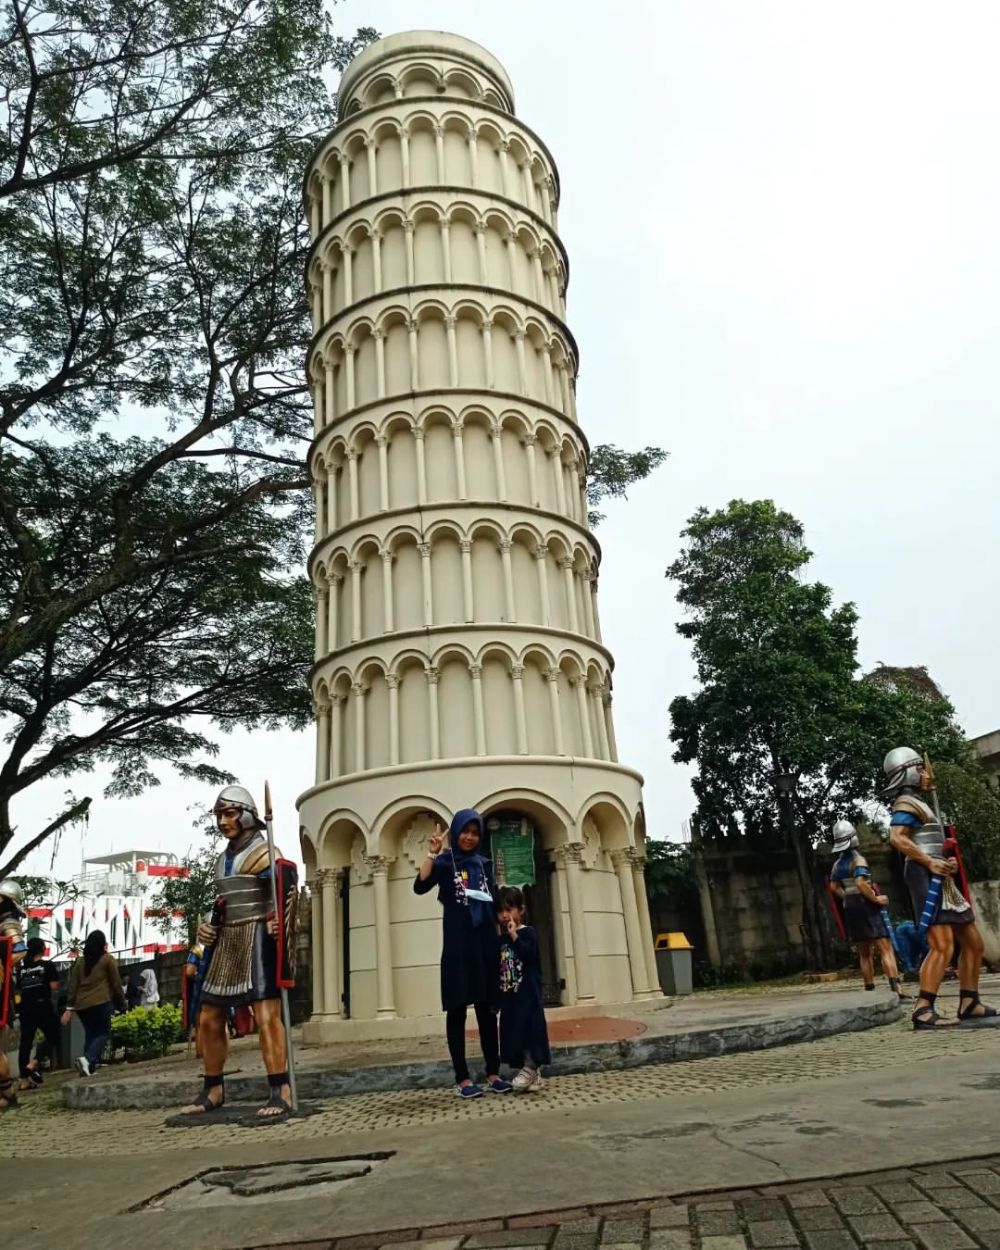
<point>802,1025</point>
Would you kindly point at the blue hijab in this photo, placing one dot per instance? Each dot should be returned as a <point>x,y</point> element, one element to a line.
<point>476,866</point>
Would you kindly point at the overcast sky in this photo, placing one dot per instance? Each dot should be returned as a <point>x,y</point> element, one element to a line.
<point>782,223</point>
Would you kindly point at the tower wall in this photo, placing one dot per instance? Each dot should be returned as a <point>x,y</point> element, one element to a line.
<point>459,658</point>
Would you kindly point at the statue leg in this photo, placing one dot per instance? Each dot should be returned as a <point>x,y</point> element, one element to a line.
<point>970,967</point>
<point>8,1094</point>
<point>274,1051</point>
<point>867,962</point>
<point>940,941</point>
<point>213,1042</point>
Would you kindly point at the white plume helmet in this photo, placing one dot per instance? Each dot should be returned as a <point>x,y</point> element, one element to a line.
<point>902,768</point>
<point>844,836</point>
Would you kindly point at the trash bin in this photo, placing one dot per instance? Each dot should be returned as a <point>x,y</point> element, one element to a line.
<point>673,963</point>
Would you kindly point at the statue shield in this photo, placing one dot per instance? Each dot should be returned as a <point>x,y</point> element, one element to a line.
<point>285,879</point>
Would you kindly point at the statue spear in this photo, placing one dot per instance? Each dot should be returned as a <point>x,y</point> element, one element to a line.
<point>286,1013</point>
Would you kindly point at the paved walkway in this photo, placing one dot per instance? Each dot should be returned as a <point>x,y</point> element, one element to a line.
<point>931,1208</point>
<point>698,1025</point>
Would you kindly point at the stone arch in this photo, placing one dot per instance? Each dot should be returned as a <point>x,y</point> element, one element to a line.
<point>514,431</point>
<point>336,838</point>
<point>453,663</point>
<point>496,662</point>
<point>402,827</point>
<point>401,453</point>
<point>487,571</point>
<point>457,165</point>
<point>462,83</point>
<point>612,819</point>
<point>505,327</point>
<point>410,668</point>
<point>387,136</point>
<point>421,131</point>
<point>537,661</point>
<point>439,454</point>
<point>480,471</point>
<point>421,78</point>
<point>390,224</point>
<point>379,89</point>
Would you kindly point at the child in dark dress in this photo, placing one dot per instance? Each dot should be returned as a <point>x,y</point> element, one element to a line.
<point>524,1038</point>
<point>470,955</point>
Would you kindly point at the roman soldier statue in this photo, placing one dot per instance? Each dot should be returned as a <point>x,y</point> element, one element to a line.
<point>243,954</point>
<point>938,905</point>
<point>865,918</point>
<point>12,950</point>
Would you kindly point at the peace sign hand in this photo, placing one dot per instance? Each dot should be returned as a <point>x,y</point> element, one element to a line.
<point>435,843</point>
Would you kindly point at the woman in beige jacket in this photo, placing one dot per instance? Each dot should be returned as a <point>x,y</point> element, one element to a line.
<point>94,985</point>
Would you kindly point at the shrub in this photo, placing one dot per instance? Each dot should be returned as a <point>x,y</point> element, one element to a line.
<point>148,1030</point>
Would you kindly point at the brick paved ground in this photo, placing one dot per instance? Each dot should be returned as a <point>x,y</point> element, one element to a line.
<point>951,1208</point>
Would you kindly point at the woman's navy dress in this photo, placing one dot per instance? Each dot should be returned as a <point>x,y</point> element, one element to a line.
<point>470,954</point>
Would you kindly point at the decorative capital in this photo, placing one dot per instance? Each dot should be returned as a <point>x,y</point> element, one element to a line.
<point>424,550</point>
<point>355,566</point>
<point>541,552</point>
<point>413,325</point>
<point>336,580</point>
<point>381,440</point>
<point>392,681</point>
<point>517,671</point>
<point>378,865</point>
<point>433,674</point>
<point>344,159</point>
<point>418,433</point>
<point>450,321</point>
<point>338,700</point>
<point>358,690</point>
<point>520,334</point>
<point>621,856</point>
<point>552,674</point>
<point>476,672</point>
<point>321,708</point>
<point>409,225</point>
<point>505,546</point>
<point>378,334</point>
<point>566,562</point>
<point>465,545</point>
<point>530,440</point>
<point>637,860</point>
<point>387,555</point>
<point>569,853</point>
<point>352,454</point>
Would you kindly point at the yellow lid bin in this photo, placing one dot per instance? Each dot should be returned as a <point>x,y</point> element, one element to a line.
<point>672,942</point>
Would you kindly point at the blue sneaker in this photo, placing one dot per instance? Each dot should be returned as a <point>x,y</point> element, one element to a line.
<point>468,1091</point>
<point>500,1086</point>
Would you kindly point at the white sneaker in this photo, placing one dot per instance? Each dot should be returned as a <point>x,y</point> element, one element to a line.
<point>527,1081</point>
<point>82,1066</point>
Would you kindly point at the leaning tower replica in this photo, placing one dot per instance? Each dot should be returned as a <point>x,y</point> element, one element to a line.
<point>459,659</point>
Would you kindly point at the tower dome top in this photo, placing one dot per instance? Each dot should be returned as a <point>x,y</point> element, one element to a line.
<point>413,44</point>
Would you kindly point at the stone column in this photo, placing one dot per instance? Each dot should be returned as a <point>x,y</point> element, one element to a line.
<point>569,582</point>
<point>633,931</point>
<point>336,718</point>
<point>352,477</point>
<point>467,600</point>
<point>314,883</point>
<point>332,878</point>
<point>508,580</point>
<point>571,858</point>
<point>387,604</point>
<point>378,865</point>
<point>542,559</point>
<point>552,677</point>
<point>392,681</point>
<point>322,714</point>
<point>645,923</point>
<point>597,699</point>
<point>496,434</point>
<point>478,711</point>
<point>418,439</point>
<point>424,550</point>
<point>355,567</point>
<point>459,446</point>
<point>584,710</point>
<point>434,726</point>
<point>520,719</point>
<point>530,440</point>
<point>358,691</point>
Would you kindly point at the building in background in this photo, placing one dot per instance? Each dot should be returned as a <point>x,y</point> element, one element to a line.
<point>459,658</point>
<point>987,748</point>
<point>111,893</point>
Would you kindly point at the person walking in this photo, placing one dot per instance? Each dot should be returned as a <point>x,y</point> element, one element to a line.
<point>94,985</point>
<point>470,955</point>
<point>37,985</point>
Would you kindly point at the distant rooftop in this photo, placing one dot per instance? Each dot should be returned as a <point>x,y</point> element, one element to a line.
<point>130,857</point>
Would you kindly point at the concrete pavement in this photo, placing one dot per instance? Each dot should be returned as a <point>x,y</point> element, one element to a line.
<point>639,1136</point>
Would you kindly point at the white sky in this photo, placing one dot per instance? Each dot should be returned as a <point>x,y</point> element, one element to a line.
<point>782,227</point>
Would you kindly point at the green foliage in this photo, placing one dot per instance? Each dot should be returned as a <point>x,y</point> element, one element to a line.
<point>147,1031</point>
<point>779,691</point>
<point>154,416</point>
<point>670,873</point>
<point>611,471</point>
<point>193,895</point>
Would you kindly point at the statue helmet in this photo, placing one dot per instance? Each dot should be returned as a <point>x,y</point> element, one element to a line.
<point>844,836</point>
<point>240,797</point>
<point>902,768</point>
<point>10,889</point>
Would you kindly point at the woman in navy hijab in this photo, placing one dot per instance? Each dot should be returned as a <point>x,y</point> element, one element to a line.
<point>470,954</point>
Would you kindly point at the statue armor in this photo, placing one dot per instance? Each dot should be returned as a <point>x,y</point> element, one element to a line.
<point>242,968</point>
<point>844,836</point>
<point>10,890</point>
<point>240,796</point>
<point>902,768</point>
<point>929,837</point>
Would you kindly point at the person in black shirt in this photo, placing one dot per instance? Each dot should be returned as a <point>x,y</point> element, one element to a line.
<point>37,981</point>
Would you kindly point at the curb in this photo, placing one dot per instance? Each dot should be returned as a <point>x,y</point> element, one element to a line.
<point>166,1092</point>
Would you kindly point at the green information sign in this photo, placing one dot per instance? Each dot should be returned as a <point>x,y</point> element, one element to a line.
<point>513,855</point>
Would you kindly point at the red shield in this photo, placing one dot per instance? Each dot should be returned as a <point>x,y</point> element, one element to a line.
<point>285,876</point>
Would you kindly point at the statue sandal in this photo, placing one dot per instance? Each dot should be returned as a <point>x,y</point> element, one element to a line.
<point>969,1000</point>
<point>8,1095</point>
<point>276,1107</point>
<point>926,1017</point>
<point>204,1104</point>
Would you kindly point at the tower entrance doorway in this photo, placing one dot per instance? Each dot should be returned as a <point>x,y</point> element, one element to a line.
<point>519,859</point>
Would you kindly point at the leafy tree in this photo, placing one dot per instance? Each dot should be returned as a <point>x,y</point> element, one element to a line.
<point>779,691</point>
<point>153,411</point>
<point>670,873</point>
<point>611,471</point>
<point>189,897</point>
